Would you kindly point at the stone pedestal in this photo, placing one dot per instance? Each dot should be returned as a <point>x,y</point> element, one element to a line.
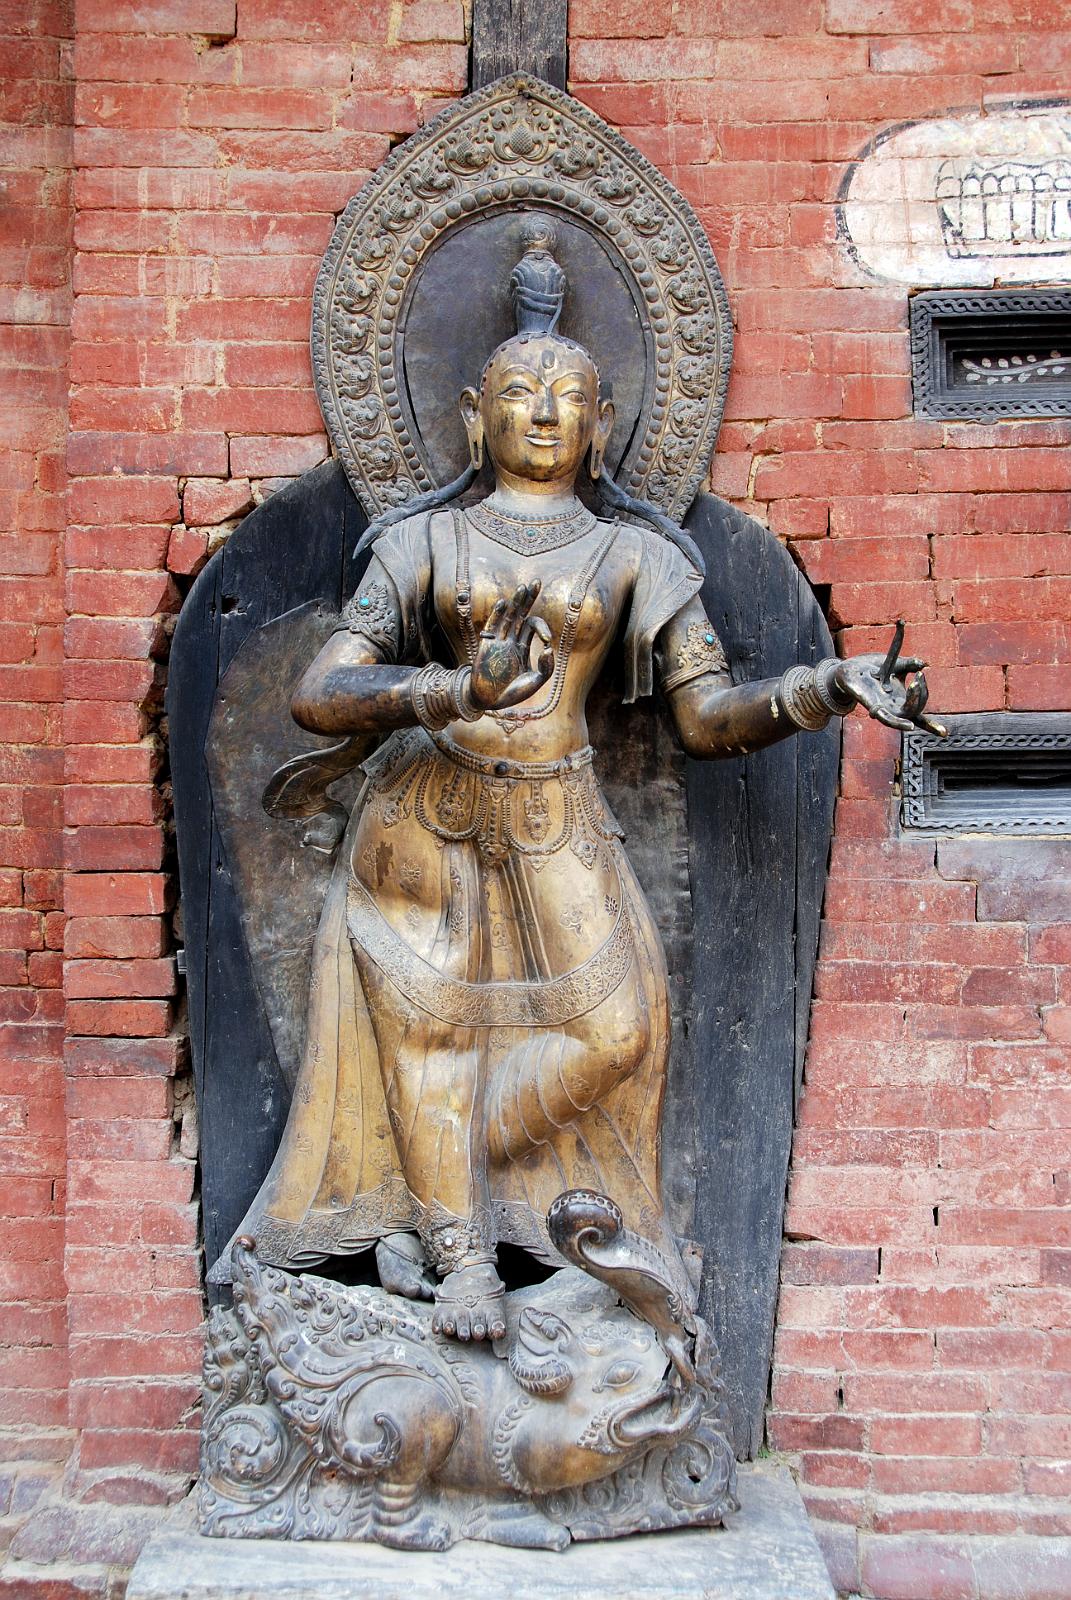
<point>766,1552</point>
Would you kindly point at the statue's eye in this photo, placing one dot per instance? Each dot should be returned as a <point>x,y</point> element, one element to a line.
<point>577,396</point>
<point>515,391</point>
<point>620,1373</point>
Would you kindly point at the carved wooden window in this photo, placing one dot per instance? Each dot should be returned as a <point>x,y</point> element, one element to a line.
<point>997,772</point>
<point>980,356</point>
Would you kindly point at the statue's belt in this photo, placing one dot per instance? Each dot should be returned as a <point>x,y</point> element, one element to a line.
<point>519,771</point>
<point>504,808</point>
<point>394,757</point>
<point>488,1005</point>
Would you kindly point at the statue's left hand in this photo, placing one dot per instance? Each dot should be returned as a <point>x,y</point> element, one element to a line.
<point>882,688</point>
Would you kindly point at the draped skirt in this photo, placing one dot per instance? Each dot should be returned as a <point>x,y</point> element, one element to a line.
<point>488,1021</point>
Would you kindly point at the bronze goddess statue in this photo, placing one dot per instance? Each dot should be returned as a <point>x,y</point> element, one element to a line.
<point>507,1006</point>
<point>488,1023</point>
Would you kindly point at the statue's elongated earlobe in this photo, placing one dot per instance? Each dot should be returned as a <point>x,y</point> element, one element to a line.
<point>470,416</point>
<point>601,438</point>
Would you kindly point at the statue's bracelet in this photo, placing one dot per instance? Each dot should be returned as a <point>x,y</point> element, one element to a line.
<point>441,696</point>
<point>809,696</point>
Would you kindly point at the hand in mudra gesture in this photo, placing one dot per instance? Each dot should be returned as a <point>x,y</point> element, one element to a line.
<point>503,673</point>
<point>880,685</point>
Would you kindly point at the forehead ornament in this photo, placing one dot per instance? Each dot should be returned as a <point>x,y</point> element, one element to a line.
<point>365,296</point>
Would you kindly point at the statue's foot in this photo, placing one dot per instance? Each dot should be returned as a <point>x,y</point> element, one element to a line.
<point>424,1531</point>
<point>470,1303</point>
<point>522,1526</point>
<point>403,1267</point>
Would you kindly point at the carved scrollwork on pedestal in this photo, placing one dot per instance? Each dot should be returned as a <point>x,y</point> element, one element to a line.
<point>518,145</point>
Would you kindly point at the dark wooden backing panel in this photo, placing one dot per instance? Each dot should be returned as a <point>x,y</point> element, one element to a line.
<point>280,884</point>
<point>295,547</point>
<point>641,767</point>
<point>760,831</point>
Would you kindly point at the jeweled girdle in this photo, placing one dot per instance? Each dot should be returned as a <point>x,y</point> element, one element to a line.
<point>455,964</point>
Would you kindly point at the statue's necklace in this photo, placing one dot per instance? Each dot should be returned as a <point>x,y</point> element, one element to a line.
<point>531,535</point>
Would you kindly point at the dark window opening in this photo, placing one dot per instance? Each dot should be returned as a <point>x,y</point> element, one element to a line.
<point>979,356</point>
<point>997,772</point>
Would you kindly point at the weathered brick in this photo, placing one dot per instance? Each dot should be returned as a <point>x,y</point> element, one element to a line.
<point>210,501</point>
<point>129,894</point>
<point>187,550</point>
<point>102,978</point>
<point>121,1057</point>
<point>115,849</point>
<point>123,937</point>
<point>124,1018</point>
<point>270,456</point>
<point>213,17</point>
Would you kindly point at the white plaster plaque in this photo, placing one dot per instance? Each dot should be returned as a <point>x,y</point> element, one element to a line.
<point>964,201</point>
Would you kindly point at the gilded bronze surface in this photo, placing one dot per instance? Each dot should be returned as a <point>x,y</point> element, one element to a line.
<point>518,147</point>
<point>488,1021</point>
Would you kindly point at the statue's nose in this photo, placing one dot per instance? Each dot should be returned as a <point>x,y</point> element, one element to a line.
<point>547,407</point>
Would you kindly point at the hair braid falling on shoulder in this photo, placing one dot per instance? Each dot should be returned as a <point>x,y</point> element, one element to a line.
<point>430,501</point>
<point>613,498</point>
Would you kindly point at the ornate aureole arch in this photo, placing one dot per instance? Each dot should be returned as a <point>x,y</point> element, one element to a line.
<point>515,146</point>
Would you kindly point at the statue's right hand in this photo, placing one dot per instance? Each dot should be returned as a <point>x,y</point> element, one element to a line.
<point>503,673</point>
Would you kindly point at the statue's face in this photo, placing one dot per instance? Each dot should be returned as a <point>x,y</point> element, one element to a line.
<point>539,409</point>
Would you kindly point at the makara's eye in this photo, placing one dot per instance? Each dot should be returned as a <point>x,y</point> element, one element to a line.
<point>620,1373</point>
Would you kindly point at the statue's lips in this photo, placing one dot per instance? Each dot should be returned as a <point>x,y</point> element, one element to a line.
<point>542,438</point>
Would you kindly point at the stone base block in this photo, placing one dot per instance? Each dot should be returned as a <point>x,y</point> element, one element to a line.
<point>765,1552</point>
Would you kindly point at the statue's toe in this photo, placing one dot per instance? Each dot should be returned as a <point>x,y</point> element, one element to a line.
<point>469,1303</point>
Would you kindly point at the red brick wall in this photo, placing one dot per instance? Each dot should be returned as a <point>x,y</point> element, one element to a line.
<point>928,1257</point>
<point>210,160</point>
<point>35,241</point>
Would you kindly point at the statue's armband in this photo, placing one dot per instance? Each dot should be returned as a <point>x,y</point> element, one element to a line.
<point>373,614</point>
<point>368,632</point>
<point>688,648</point>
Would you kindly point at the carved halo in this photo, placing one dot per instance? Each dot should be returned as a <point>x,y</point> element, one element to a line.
<point>518,145</point>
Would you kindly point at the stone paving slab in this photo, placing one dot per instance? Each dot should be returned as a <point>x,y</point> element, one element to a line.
<point>766,1552</point>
